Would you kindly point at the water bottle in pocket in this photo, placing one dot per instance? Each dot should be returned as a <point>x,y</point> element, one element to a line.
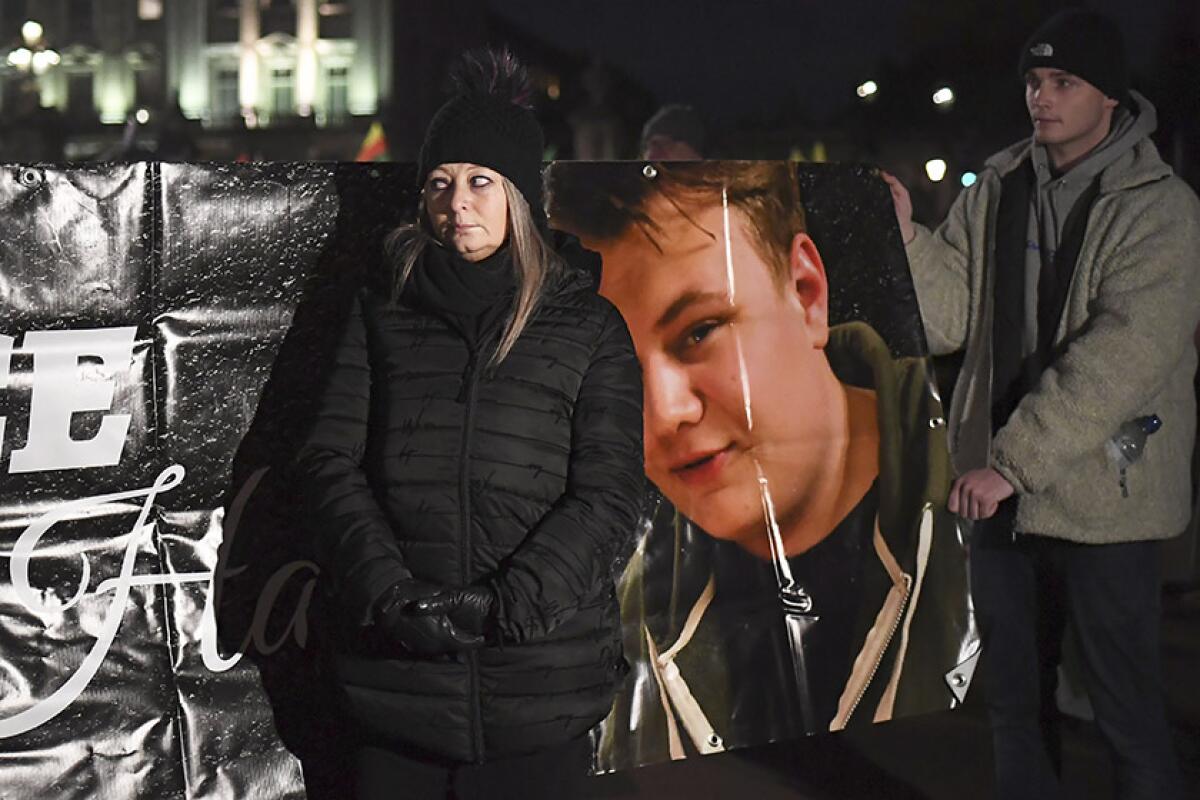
<point>1127,445</point>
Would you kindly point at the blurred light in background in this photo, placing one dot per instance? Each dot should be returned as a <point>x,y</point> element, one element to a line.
<point>34,56</point>
<point>943,96</point>
<point>142,116</point>
<point>31,32</point>
<point>935,168</point>
<point>20,58</point>
<point>43,60</point>
<point>867,89</point>
<point>968,178</point>
<point>150,9</point>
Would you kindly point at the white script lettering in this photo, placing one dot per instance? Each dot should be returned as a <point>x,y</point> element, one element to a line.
<point>23,552</point>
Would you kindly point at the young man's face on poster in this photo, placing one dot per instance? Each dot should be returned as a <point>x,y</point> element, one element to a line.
<point>737,386</point>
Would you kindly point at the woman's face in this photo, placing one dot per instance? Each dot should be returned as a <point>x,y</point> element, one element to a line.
<point>467,209</point>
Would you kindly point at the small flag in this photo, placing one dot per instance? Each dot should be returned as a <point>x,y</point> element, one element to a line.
<point>374,146</point>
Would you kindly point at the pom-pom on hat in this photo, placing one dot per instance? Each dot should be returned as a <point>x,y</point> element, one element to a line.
<point>1083,43</point>
<point>488,122</point>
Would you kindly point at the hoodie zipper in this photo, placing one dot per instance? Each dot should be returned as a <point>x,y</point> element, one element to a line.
<point>883,650</point>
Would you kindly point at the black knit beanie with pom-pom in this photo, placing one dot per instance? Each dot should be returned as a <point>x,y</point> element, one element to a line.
<point>488,122</point>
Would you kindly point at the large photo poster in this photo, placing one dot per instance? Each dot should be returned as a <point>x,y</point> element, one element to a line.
<point>164,329</point>
<point>800,573</point>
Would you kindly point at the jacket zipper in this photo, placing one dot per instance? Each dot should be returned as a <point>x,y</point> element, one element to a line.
<point>882,651</point>
<point>464,506</point>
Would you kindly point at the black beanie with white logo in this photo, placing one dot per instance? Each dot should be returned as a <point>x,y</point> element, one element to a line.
<point>1082,43</point>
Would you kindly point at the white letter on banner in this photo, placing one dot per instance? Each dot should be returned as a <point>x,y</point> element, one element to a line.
<point>6,347</point>
<point>60,391</point>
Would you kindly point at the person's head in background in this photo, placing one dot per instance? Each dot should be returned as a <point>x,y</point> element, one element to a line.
<point>674,133</point>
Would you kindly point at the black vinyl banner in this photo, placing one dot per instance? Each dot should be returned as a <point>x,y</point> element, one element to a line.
<point>163,331</point>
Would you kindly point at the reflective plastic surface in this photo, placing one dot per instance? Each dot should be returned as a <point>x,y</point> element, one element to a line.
<point>162,332</point>
<point>143,309</point>
<point>801,573</point>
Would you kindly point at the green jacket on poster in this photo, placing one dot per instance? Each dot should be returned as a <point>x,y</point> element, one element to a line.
<point>913,644</point>
<point>1124,345</point>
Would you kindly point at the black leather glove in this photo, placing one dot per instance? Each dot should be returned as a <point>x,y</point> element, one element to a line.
<point>470,608</point>
<point>422,634</point>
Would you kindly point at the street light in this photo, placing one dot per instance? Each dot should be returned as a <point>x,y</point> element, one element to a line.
<point>33,56</point>
<point>31,32</point>
<point>867,89</point>
<point>20,58</point>
<point>935,168</point>
<point>43,60</point>
<point>944,96</point>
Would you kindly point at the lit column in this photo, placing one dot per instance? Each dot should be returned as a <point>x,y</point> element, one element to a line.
<point>248,33</point>
<point>53,89</point>
<point>113,88</point>
<point>364,70</point>
<point>186,23</point>
<point>383,58</point>
<point>306,56</point>
<point>113,84</point>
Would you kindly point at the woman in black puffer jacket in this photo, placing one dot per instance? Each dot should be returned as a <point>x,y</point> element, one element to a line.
<point>474,467</point>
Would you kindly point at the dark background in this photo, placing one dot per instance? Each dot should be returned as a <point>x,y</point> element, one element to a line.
<point>772,78</point>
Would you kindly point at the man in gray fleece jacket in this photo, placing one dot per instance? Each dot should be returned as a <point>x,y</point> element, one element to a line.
<point>1068,276</point>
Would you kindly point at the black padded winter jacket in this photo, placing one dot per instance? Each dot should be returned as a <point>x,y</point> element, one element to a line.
<point>425,461</point>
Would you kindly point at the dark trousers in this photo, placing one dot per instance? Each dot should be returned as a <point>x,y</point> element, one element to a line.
<point>385,773</point>
<point>1026,590</point>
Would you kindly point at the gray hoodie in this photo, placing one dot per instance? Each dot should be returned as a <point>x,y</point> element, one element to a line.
<point>1057,193</point>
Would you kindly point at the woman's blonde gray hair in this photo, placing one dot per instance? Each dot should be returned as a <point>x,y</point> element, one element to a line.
<point>534,262</point>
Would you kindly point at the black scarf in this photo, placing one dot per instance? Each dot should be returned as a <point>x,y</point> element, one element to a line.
<point>1014,374</point>
<point>473,297</point>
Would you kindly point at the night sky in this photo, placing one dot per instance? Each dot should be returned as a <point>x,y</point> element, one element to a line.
<point>742,59</point>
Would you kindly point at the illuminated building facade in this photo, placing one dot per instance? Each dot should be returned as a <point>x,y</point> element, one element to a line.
<point>271,61</point>
<point>90,60</point>
<point>261,63</point>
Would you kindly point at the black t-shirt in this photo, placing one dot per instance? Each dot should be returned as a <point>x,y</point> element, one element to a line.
<point>750,617</point>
